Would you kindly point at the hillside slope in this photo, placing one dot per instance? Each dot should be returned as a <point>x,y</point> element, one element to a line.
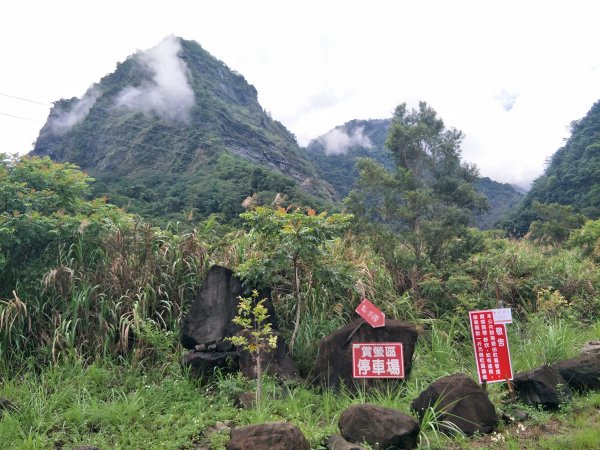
<point>572,176</point>
<point>173,128</point>
<point>335,154</point>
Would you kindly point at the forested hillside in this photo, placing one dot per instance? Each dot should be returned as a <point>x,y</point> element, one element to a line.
<point>174,129</point>
<point>335,155</point>
<point>572,177</point>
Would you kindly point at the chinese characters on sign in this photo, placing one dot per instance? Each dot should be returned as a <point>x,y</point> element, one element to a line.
<point>377,360</point>
<point>372,315</point>
<point>491,347</point>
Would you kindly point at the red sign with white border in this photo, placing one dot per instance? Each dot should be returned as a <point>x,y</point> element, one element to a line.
<point>490,343</point>
<point>377,360</point>
<point>371,313</point>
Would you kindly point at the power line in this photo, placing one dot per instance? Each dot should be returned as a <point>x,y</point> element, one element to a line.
<point>25,99</point>
<point>18,117</point>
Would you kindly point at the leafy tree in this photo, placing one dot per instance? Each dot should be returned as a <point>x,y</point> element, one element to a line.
<point>292,244</point>
<point>252,318</point>
<point>555,222</point>
<point>429,197</point>
<point>42,209</point>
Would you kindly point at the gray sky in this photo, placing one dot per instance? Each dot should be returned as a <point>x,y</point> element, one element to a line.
<point>511,75</point>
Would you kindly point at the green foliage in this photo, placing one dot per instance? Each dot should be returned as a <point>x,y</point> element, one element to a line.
<point>252,318</point>
<point>571,177</point>
<point>555,222</point>
<point>427,200</point>
<point>43,210</point>
<point>587,239</point>
<point>289,246</point>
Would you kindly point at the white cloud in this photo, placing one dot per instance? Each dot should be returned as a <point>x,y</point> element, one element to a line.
<point>338,141</point>
<point>63,120</point>
<point>168,93</point>
<point>507,99</point>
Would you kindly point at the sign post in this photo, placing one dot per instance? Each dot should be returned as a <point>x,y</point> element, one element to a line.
<point>490,343</point>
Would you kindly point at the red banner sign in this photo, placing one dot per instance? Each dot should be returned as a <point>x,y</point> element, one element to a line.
<point>490,343</point>
<point>377,360</point>
<point>371,313</point>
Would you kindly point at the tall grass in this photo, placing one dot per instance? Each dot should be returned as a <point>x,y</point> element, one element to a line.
<point>93,305</point>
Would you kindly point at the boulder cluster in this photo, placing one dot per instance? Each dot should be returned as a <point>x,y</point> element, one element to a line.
<point>456,402</point>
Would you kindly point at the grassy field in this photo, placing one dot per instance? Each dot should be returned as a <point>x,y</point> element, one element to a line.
<point>155,404</point>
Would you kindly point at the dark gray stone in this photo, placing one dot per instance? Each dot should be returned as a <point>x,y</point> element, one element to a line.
<point>334,363</point>
<point>581,373</point>
<point>543,386</point>
<point>6,405</point>
<point>276,362</point>
<point>203,364</point>
<point>245,400</point>
<point>459,400</point>
<point>272,436</point>
<point>336,442</point>
<point>381,428</point>
<point>591,347</point>
<point>209,318</point>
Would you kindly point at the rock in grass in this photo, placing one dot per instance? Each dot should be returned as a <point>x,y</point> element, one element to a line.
<point>459,400</point>
<point>380,427</point>
<point>334,363</point>
<point>581,373</point>
<point>209,317</point>
<point>271,436</point>
<point>6,405</point>
<point>336,442</point>
<point>543,386</point>
<point>591,347</point>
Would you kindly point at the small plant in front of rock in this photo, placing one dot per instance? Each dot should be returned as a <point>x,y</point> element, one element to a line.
<point>252,318</point>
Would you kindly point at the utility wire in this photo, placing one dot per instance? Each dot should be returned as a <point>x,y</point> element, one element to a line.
<point>25,99</point>
<point>18,117</point>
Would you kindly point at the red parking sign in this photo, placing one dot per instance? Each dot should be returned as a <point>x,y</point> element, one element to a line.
<point>377,360</point>
<point>490,343</point>
<point>371,313</point>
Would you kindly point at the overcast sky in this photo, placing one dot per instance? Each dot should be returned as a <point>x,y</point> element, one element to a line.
<point>511,75</point>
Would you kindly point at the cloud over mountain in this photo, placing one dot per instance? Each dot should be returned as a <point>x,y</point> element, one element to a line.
<point>338,140</point>
<point>63,120</point>
<point>168,93</point>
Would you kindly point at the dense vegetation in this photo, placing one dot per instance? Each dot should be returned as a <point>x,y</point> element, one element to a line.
<point>572,177</point>
<point>91,298</point>
<point>336,153</point>
<point>225,148</point>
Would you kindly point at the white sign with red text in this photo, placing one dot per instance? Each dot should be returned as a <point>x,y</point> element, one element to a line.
<point>377,360</point>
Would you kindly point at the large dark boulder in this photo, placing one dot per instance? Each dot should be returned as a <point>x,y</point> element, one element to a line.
<point>381,428</point>
<point>209,318</point>
<point>543,386</point>
<point>459,400</point>
<point>272,436</point>
<point>334,363</point>
<point>582,373</point>
<point>276,362</point>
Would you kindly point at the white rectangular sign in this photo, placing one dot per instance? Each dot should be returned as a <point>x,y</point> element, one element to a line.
<point>502,315</point>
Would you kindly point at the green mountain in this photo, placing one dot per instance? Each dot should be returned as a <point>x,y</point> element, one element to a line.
<point>335,154</point>
<point>173,129</point>
<point>572,176</point>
